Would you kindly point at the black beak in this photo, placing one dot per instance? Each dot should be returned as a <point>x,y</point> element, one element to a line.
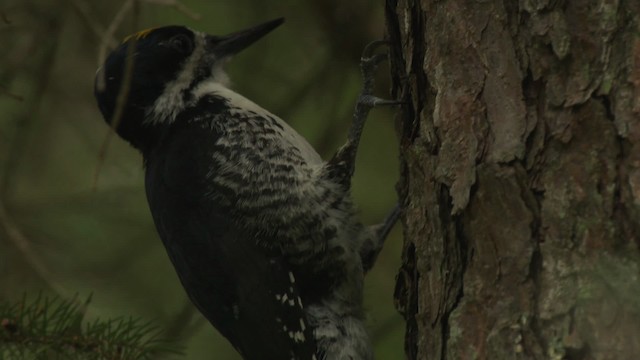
<point>229,45</point>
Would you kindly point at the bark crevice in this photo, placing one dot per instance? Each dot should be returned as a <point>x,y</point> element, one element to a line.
<point>520,177</point>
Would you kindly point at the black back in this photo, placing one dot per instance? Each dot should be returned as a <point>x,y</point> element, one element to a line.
<point>237,284</point>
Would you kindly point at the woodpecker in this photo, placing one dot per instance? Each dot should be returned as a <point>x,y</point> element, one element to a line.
<point>261,231</point>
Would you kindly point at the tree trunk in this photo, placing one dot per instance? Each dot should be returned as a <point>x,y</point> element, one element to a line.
<point>520,177</point>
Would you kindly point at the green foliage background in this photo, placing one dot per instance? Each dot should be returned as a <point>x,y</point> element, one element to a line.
<point>64,233</point>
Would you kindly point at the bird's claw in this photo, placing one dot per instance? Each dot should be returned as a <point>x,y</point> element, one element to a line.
<point>368,65</point>
<point>372,47</point>
<point>371,101</point>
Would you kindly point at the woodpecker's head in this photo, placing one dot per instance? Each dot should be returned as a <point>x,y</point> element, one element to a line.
<point>157,73</point>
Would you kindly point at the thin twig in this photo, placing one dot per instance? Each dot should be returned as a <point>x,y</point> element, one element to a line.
<point>42,76</point>
<point>84,10</point>
<point>10,94</point>
<point>123,95</point>
<point>4,18</point>
<point>128,74</point>
<point>109,34</point>
<point>22,243</point>
<point>16,150</point>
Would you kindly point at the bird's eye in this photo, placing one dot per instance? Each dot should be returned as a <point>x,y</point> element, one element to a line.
<point>181,43</point>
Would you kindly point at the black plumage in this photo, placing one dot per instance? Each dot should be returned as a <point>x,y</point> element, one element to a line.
<point>262,233</point>
<point>214,256</point>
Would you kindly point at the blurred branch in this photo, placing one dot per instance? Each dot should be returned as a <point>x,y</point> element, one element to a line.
<point>123,94</point>
<point>6,92</point>
<point>114,25</point>
<point>110,34</point>
<point>22,243</point>
<point>84,10</point>
<point>14,155</point>
<point>4,18</point>
<point>42,77</point>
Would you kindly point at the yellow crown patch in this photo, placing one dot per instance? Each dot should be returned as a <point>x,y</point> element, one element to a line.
<point>139,35</point>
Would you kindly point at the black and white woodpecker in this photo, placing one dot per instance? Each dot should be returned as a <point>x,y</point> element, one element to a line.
<point>262,233</point>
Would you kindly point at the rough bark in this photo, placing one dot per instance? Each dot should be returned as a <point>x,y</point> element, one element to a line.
<point>520,177</point>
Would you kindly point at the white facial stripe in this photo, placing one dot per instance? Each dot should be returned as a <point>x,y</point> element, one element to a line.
<point>168,105</point>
